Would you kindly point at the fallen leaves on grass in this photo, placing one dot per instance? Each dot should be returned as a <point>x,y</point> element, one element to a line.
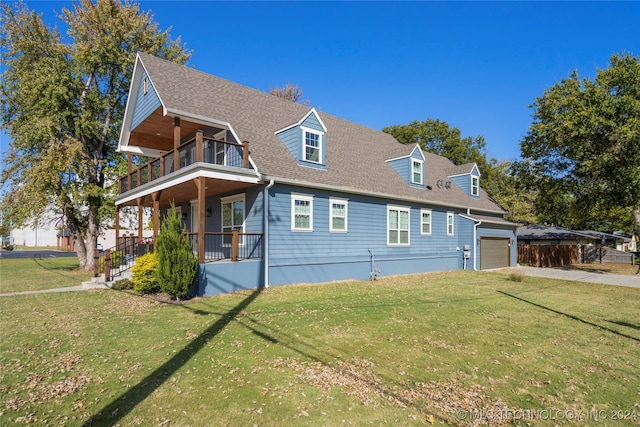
<point>40,386</point>
<point>358,378</point>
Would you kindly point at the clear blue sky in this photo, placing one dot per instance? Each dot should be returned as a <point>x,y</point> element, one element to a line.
<point>476,65</point>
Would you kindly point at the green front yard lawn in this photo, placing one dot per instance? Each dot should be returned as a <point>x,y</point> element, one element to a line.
<point>458,348</point>
<point>35,274</point>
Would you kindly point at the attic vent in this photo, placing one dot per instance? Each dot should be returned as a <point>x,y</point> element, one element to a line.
<point>446,185</point>
<point>146,85</point>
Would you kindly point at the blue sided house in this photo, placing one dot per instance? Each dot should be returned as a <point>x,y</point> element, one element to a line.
<point>272,192</point>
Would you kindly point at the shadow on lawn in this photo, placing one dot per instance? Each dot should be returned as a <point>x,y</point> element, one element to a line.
<point>627,324</point>
<point>117,409</point>
<point>46,264</point>
<point>570,316</point>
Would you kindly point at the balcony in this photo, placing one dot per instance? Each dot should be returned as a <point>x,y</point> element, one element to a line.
<point>197,149</point>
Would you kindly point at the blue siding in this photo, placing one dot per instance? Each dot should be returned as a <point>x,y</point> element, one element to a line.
<point>292,140</point>
<point>404,167</point>
<point>312,122</point>
<point>319,255</point>
<point>464,182</point>
<point>145,103</point>
<point>465,237</point>
<point>224,277</point>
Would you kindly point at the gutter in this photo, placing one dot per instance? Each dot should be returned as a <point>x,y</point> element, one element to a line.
<point>265,212</point>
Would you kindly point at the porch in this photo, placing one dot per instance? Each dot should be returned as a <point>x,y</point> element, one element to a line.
<point>198,168</point>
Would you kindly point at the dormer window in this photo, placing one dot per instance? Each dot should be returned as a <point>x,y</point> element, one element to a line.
<point>416,171</point>
<point>312,143</point>
<point>475,186</point>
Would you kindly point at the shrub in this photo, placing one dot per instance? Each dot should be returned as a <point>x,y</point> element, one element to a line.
<point>8,247</point>
<point>516,274</point>
<point>144,274</point>
<point>122,285</point>
<point>177,265</point>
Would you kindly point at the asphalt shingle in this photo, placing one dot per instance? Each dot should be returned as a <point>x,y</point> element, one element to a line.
<point>355,155</point>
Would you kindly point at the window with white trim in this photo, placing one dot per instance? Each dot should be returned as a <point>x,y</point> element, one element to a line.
<point>416,171</point>
<point>425,221</point>
<point>232,216</point>
<point>450,229</point>
<point>398,225</point>
<point>338,214</point>
<point>311,145</point>
<point>475,186</point>
<point>301,212</point>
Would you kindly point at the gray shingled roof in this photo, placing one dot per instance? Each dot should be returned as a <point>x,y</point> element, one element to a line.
<point>355,155</point>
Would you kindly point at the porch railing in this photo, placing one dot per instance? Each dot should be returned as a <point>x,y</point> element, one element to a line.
<point>233,246</point>
<point>115,261</point>
<point>218,246</point>
<point>197,149</point>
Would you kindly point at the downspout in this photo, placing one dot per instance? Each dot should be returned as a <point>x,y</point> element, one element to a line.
<point>266,232</point>
<point>475,244</point>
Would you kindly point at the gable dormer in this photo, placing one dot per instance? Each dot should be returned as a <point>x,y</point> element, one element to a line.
<point>467,177</point>
<point>411,167</point>
<point>306,140</point>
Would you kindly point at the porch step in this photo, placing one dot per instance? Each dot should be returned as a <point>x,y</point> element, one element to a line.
<point>95,285</point>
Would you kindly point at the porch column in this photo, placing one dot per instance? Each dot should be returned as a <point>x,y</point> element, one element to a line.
<point>200,184</point>
<point>155,196</point>
<point>140,216</point>
<point>129,167</point>
<point>117,226</point>
<point>176,143</point>
<point>199,148</point>
<point>245,154</point>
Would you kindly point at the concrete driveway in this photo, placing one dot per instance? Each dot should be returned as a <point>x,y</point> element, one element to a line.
<point>583,276</point>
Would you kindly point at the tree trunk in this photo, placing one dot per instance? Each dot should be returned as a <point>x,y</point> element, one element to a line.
<point>636,217</point>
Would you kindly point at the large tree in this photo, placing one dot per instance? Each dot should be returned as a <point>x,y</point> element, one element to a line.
<point>290,92</point>
<point>438,137</point>
<point>63,101</point>
<point>582,151</point>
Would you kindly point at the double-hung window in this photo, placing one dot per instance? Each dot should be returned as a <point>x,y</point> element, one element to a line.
<point>232,217</point>
<point>397,225</point>
<point>416,172</point>
<point>338,212</point>
<point>450,229</point>
<point>312,145</point>
<point>301,212</point>
<point>425,221</point>
<point>475,186</point>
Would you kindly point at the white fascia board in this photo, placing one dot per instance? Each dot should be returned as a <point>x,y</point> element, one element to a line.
<point>487,221</point>
<point>398,158</point>
<point>299,122</point>
<point>195,170</point>
<point>368,193</point>
<point>141,151</point>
